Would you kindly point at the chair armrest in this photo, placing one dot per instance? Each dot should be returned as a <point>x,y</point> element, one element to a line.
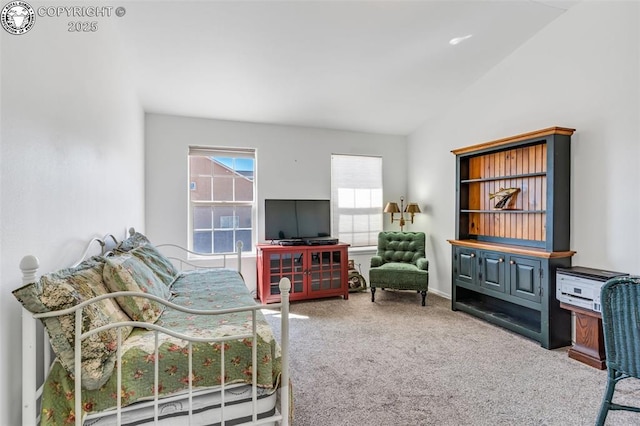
<point>376,261</point>
<point>422,264</point>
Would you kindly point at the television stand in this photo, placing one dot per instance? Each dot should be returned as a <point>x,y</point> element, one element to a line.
<point>315,271</point>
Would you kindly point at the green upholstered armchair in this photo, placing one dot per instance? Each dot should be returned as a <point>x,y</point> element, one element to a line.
<point>400,263</point>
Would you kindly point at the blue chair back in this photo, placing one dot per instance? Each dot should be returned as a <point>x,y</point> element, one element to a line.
<point>620,298</point>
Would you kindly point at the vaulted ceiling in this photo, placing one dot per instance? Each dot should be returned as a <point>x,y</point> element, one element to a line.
<point>372,66</point>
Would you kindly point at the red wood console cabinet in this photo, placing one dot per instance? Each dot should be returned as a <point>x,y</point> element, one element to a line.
<point>315,271</point>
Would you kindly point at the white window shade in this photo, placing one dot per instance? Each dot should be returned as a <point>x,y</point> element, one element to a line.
<point>356,198</point>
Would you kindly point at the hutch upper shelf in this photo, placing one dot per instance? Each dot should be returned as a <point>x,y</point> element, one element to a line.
<point>535,166</point>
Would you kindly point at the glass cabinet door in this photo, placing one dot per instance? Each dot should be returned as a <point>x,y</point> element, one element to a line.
<point>324,271</point>
<point>290,265</point>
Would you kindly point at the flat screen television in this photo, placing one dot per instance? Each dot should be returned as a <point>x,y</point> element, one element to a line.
<point>295,219</point>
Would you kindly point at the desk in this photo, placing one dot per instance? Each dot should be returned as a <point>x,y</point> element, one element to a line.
<point>589,345</point>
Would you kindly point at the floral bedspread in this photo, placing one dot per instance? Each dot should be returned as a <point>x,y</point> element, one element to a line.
<point>200,289</point>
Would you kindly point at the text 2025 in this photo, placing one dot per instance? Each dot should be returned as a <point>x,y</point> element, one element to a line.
<point>82,27</point>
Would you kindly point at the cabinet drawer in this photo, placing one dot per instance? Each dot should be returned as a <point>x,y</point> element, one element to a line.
<point>525,278</point>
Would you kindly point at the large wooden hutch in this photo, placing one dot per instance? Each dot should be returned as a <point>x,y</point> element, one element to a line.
<point>504,259</point>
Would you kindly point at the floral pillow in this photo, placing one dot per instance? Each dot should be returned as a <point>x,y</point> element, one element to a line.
<point>65,289</point>
<point>135,240</point>
<point>159,264</point>
<point>126,272</point>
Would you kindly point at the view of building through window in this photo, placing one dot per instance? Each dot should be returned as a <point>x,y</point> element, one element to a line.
<point>221,199</point>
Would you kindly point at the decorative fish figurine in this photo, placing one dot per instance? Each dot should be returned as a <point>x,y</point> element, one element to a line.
<point>505,195</point>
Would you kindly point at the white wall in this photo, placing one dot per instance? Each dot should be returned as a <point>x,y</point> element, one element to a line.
<point>71,162</point>
<point>292,162</point>
<point>581,71</point>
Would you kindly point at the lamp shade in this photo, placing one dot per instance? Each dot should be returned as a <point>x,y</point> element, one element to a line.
<point>391,208</point>
<point>412,208</point>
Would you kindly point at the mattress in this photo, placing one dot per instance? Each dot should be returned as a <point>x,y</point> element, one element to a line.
<point>206,409</point>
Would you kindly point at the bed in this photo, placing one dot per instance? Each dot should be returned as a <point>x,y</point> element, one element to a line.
<point>148,338</point>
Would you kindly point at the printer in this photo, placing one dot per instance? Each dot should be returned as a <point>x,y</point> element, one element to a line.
<point>580,286</point>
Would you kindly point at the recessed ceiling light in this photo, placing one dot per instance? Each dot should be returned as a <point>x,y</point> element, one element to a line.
<point>457,40</point>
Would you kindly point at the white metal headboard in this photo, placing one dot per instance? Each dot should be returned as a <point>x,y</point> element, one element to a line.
<point>31,392</point>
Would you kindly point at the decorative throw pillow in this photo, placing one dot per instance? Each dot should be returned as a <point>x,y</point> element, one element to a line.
<point>68,288</point>
<point>126,272</point>
<point>135,240</point>
<point>159,264</point>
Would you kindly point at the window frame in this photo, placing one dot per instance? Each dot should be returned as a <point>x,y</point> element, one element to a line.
<point>229,152</point>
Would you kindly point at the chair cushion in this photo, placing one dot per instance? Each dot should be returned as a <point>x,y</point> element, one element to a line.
<point>401,276</point>
<point>399,266</point>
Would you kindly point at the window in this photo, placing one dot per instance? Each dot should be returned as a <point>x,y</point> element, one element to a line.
<point>221,199</point>
<point>356,199</point>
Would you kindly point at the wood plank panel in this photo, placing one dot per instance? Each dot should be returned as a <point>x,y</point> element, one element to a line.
<point>475,170</point>
<point>474,204</point>
<point>543,190</point>
<point>495,218</point>
<point>475,190</point>
<point>523,161</point>
<point>488,172</point>
<point>516,183</point>
<point>501,218</point>
<point>499,167</point>
<point>540,166</point>
<point>474,193</point>
<point>510,170</point>
<point>532,195</point>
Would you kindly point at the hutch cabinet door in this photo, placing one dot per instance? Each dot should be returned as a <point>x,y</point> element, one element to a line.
<point>464,260</point>
<point>491,274</point>
<point>525,278</point>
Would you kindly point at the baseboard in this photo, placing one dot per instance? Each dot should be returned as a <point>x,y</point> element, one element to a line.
<point>439,293</point>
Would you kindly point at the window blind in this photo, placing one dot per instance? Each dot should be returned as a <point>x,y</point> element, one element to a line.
<point>356,198</point>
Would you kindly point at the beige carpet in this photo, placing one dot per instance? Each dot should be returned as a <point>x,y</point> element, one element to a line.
<point>394,362</point>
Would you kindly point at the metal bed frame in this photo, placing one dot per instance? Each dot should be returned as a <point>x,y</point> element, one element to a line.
<point>32,352</point>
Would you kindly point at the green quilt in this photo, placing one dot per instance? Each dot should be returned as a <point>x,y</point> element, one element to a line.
<point>200,289</point>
